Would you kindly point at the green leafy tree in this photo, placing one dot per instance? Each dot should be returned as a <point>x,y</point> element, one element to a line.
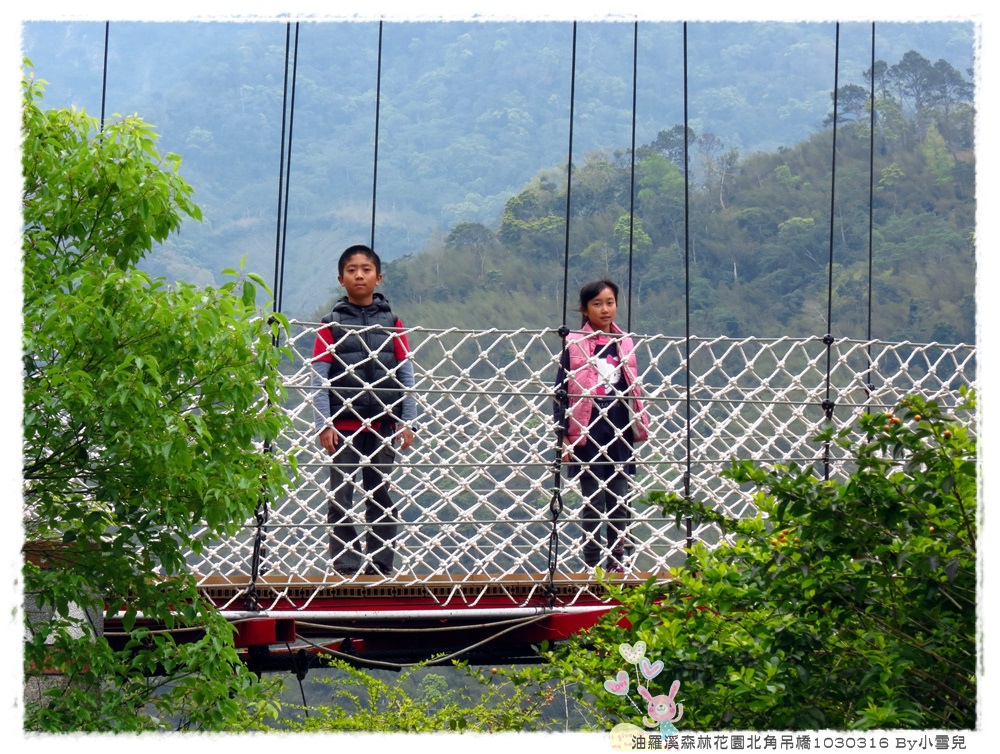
<point>671,143</point>
<point>661,198</point>
<point>889,179</point>
<point>361,701</point>
<point>476,238</point>
<point>852,104</point>
<point>952,95</point>
<point>842,604</point>
<point>630,235</point>
<point>144,408</point>
<point>532,221</point>
<point>935,152</point>
<point>915,79</point>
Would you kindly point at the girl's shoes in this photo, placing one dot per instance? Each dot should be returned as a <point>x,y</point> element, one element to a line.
<point>616,563</point>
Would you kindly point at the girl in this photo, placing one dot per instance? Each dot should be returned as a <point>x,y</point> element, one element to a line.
<point>603,419</point>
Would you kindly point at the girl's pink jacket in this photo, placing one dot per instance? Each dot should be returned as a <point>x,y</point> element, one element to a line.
<point>583,377</point>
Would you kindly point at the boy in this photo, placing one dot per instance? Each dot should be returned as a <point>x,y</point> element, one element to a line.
<point>360,368</point>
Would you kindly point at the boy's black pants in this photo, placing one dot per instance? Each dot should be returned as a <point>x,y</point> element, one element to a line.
<point>373,452</point>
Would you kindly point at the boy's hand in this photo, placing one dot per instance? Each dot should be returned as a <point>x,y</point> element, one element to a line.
<point>328,439</point>
<point>405,438</point>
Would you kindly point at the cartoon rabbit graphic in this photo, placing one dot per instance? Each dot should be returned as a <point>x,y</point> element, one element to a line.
<point>662,709</point>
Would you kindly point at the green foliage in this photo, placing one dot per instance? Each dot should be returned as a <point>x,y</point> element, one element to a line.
<point>360,701</point>
<point>841,604</point>
<point>757,250</point>
<point>472,110</point>
<point>935,151</point>
<point>144,409</point>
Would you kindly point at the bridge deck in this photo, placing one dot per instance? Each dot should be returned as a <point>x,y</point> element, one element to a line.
<point>302,621</point>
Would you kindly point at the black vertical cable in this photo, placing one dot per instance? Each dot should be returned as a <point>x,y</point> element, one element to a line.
<point>280,290</point>
<point>631,206</point>
<point>569,175</point>
<point>828,339</point>
<point>104,78</point>
<point>687,300</point>
<point>261,513</point>
<point>871,207</point>
<point>378,101</point>
<point>561,394</point>
<point>282,178</point>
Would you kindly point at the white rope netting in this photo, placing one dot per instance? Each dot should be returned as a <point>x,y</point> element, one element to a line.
<point>473,493</point>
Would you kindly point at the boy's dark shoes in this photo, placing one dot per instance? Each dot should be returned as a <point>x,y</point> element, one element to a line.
<point>375,569</point>
<point>346,570</point>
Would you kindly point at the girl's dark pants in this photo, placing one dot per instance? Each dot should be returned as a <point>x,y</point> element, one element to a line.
<point>606,460</point>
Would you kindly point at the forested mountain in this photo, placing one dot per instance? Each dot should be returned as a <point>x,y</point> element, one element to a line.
<point>474,125</point>
<point>761,244</point>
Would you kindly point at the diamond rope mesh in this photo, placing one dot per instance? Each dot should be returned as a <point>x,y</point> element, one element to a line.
<point>472,493</point>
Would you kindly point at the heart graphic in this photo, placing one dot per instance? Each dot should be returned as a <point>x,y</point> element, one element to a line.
<point>619,686</point>
<point>633,652</point>
<point>650,669</point>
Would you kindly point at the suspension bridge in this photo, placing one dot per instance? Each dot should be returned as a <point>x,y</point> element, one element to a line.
<point>486,568</point>
<point>488,562</point>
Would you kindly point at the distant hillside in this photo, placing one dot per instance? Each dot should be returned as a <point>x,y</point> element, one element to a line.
<point>470,114</point>
<point>749,249</point>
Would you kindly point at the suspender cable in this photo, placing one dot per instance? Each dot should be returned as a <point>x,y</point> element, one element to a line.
<point>561,393</point>
<point>261,514</point>
<point>284,165</point>
<point>569,175</point>
<point>279,213</point>
<point>828,404</point>
<point>378,100</point>
<point>287,155</point>
<point>104,78</point>
<point>687,300</point>
<point>871,205</point>
<point>631,206</point>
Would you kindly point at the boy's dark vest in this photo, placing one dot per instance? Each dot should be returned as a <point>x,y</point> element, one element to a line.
<point>363,381</point>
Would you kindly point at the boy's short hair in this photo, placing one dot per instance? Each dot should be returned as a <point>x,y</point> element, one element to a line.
<point>359,248</point>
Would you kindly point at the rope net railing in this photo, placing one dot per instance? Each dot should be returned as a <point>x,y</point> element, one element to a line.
<point>472,493</point>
